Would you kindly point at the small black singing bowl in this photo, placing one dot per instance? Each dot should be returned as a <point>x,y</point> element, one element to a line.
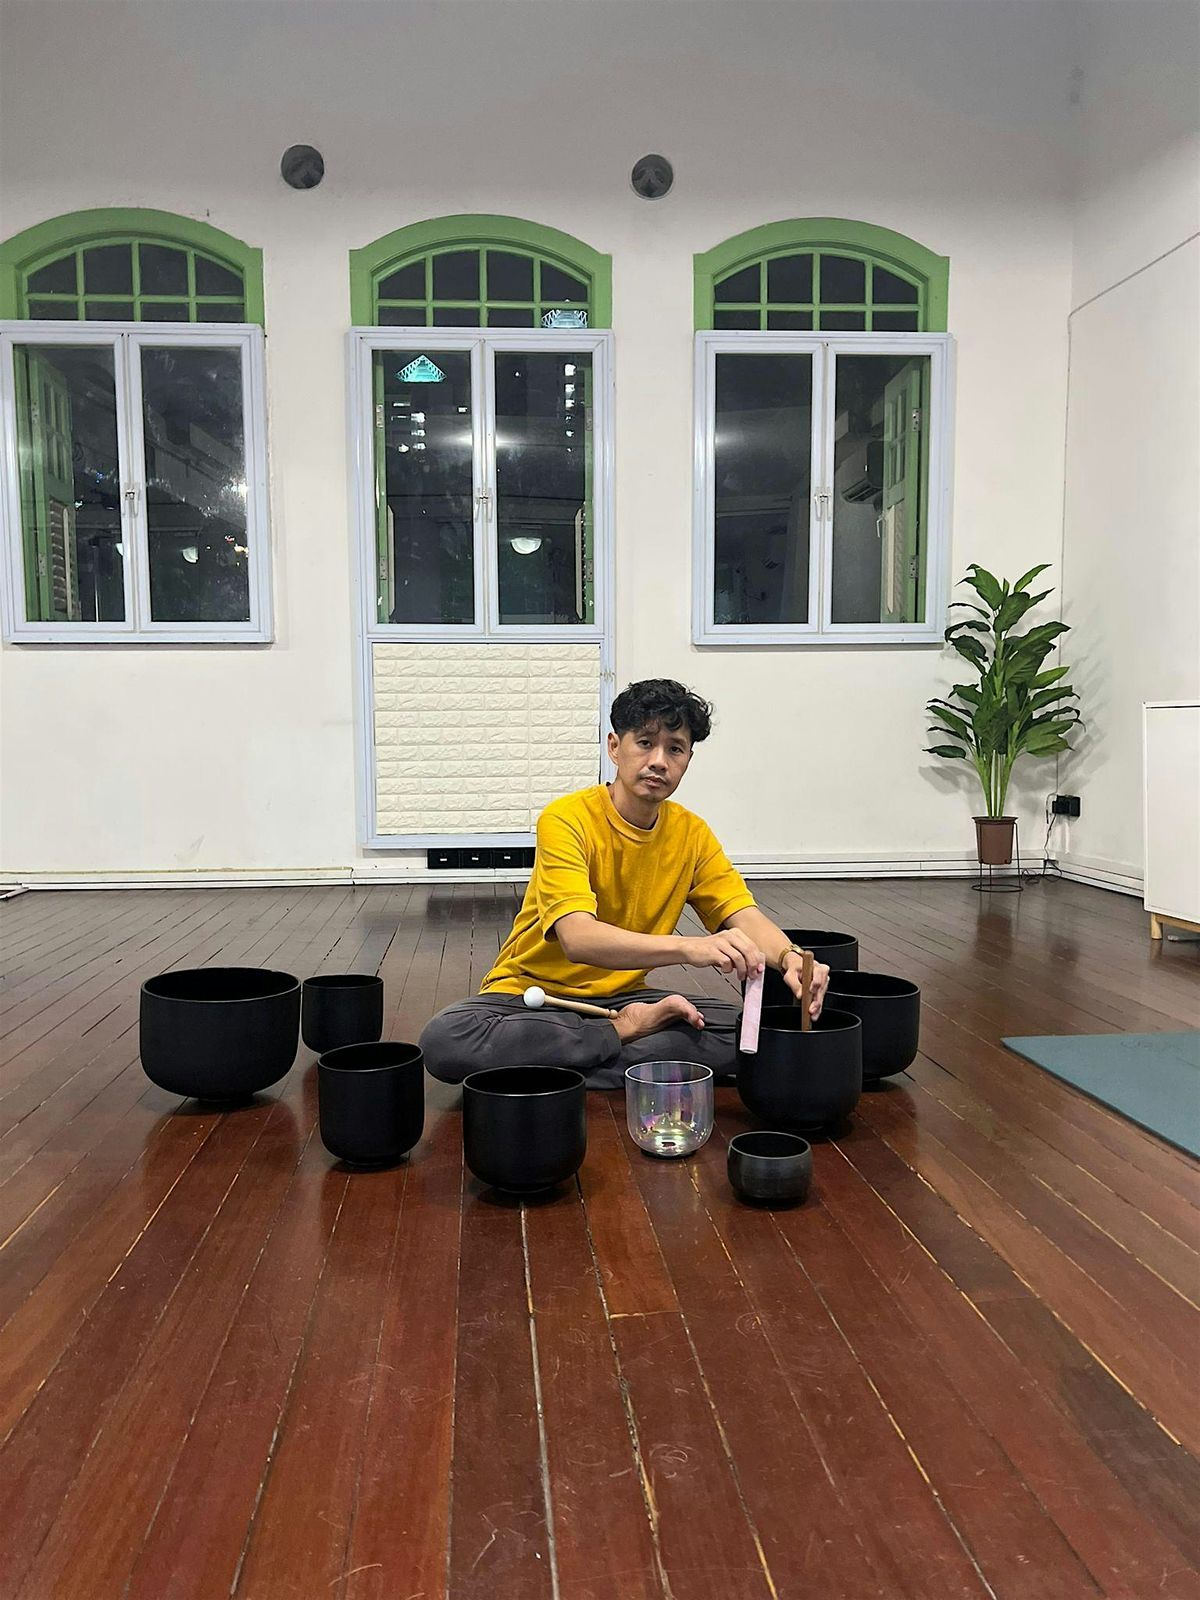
<point>524,1128</point>
<point>890,1011</point>
<point>341,1008</point>
<point>770,1168</point>
<point>371,1102</point>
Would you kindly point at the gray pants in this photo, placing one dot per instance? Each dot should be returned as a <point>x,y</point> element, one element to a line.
<point>499,1030</point>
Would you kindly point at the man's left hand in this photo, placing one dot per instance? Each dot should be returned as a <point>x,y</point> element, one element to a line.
<point>820,982</point>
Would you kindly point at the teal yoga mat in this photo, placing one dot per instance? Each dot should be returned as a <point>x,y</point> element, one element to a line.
<point>1151,1078</point>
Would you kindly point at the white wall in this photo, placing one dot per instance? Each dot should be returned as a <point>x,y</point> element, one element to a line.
<point>1131,542</point>
<point>946,122</point>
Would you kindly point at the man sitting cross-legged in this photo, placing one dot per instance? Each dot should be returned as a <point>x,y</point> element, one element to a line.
<point>615,866</point>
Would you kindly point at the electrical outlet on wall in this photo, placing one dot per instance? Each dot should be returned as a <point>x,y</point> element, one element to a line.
<point>1065,805</point>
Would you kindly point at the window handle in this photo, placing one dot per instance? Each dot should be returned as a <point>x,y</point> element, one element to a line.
<point>131,496</point>
<point>822,495</point>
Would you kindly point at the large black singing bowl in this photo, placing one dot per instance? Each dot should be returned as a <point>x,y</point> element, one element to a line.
<point>219,1033</point>
<point>838,951</point>
<point>798,1080</point>
<point>890,1011</point>
<point>524,1128</point>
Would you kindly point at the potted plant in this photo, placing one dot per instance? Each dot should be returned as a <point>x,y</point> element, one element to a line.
<point>1015,709</point>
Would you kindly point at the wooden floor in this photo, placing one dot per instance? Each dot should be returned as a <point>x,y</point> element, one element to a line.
<point>966,1367</point>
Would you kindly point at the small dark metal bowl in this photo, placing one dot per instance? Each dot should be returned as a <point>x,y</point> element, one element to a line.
<point>770,1168</point>
<point>524,1128</point>
<point>341,1008</point>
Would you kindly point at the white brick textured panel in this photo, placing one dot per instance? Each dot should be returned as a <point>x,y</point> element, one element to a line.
<point>474,738</point>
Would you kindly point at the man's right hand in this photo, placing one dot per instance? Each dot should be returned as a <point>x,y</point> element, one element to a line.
<point>731,951</point>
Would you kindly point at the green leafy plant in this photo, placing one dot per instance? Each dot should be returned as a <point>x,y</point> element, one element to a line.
<point>1015,709</point>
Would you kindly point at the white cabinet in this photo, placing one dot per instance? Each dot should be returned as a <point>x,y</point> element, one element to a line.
<point>1171,750</point>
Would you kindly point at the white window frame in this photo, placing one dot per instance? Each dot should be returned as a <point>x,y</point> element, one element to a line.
<point>125,340</point>
<point>821,629</point>
<point>362,342</point>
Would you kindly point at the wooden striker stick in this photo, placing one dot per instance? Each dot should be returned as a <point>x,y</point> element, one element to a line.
<point>581,1006</point>
<point>806,977</point>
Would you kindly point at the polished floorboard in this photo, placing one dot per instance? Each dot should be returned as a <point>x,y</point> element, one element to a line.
<point>966,1367</point>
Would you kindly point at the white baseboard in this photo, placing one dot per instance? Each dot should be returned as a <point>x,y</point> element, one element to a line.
<point>393,872</point>
<point>1119,876</point>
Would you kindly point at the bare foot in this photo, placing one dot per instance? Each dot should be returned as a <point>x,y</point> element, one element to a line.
<point>642,1018</point>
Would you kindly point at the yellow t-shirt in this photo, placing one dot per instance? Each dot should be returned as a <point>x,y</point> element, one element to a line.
<point>590,859</point>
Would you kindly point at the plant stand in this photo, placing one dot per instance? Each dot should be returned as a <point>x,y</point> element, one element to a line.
<point>1005,884</point>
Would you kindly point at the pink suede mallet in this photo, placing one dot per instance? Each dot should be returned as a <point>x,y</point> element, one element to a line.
<point>752,1012</point>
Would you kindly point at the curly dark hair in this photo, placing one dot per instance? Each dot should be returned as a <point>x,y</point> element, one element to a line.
<point>661,702</point>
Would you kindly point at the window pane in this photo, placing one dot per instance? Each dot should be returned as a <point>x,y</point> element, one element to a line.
<point>456,316</point>
<point>403,316</point>
<point>456,275</point>
<point>736,319</point>
<point>790,279</point>
<point>843,321</point>
<point>509,276</point>
<point>743,285</point>
<point>165,311</point>
<point>762,479</point>
<point>507,317</point>
<point>58,277</point>
<point>164,270</point>
<point>790,321</point>
<point>843,280</point>
<point>51,310</point>
<point>879,541</point>
<point>425,505</point>
<point>109,310</point>
<point>213,278</point>
<point>195,484</point>
<point>220,311</point>
<point>894,321</point>
<point>407,284</point>
<point>108,269</point>
<point>558,285</point>
<point>545,511</point>
<point>70,484</point>
<point>888,289</point>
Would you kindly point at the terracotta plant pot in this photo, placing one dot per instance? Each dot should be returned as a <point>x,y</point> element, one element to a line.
<point>994,840</point>
<point>801,1079</point>
<point>524,1128</point>
<point>890,1011</point>
<point>839,952</point>
<point>343,1008</point>
<point>372,1102</point>
<point>219,1033</point>
<point>770,1168</point>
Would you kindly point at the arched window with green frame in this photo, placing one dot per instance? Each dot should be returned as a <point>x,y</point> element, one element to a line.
<point>821,275</point>
<point>134,471</point>
<point>822,436</point>
<point>480,272</point>
<point>129,265</point>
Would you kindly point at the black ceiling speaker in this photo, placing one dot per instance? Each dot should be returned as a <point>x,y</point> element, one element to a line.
<point>652,177</point>
<point>302,166</point>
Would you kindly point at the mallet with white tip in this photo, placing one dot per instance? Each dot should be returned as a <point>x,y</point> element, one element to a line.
<point>536,998</point>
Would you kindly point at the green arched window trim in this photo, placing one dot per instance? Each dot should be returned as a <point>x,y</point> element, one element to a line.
<point>384,256</point>
<point>46,242</point>
<point>839,236</point>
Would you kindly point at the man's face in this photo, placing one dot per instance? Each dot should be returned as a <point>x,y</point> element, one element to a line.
<point>651,761</point>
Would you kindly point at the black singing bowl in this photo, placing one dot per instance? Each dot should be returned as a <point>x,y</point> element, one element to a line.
<point>838,951</point>
<point>371,1099</point>
<point>343,1008</point>
<point>770,1168</point>
<point>799,1079</point>
<point>219,1033</point>
<point>890,1011</point>
<point>524,1128</point>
